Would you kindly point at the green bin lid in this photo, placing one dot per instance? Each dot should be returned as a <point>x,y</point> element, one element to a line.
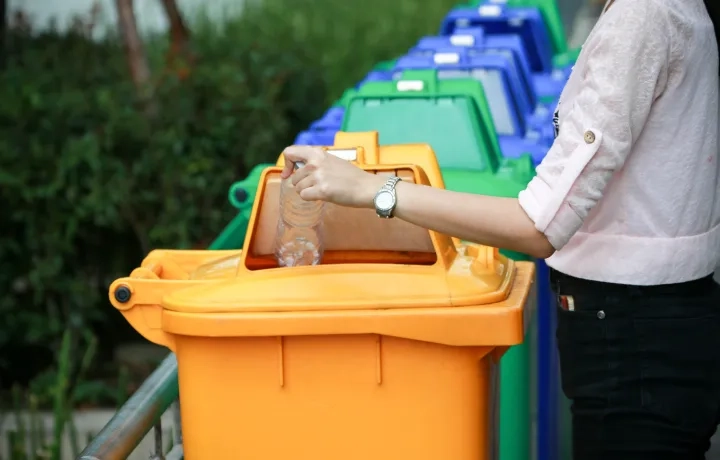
<point>242,193</point>
<point>385,65</point>
<point>451,115</point>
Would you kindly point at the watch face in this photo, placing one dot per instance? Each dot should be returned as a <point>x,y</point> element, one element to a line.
<point>384,201</point>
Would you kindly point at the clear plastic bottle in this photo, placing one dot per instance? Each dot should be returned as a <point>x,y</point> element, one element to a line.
<point>225,267</point>
<point>299,239</point>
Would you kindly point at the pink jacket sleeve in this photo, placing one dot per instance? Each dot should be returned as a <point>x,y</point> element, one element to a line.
<point>623,70</point>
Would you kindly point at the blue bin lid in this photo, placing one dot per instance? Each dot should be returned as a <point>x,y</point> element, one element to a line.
<point>496,19</point>
<point>467,37</point>
<point>551,84</point>
<point>378,75</point>
<point>516,147</point>
<point>496,73</point>
<point>503,43</point>
<point>472,38</point>
<point>323,137</point>
<point>332,119</point>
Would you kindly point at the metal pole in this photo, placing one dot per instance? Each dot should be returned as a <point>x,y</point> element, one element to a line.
<point>157,429</point>
<point>137,416</point>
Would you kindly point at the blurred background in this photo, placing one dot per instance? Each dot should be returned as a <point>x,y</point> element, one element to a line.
<point>121,128</point>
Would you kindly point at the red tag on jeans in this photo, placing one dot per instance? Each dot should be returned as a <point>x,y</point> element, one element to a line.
<point>566,302</point>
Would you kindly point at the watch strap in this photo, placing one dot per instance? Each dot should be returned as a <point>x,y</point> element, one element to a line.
<point>388,187</point>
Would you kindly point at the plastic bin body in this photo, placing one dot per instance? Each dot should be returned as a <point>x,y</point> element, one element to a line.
<point>563,56</point>
<point>451,115</point>
<point>541,89</point>
<point>549,85</point>
<point>471,37</point>
<point>508,102</point>
<point>241,196</point>
<point>331,120</point>
<point>316,137</point>
<point>550,13</point>
<point>515,147</point>
<point>377,75</point>
<point>499,19</point>
<point>384,351</point>
<point>445,116</point>
<point>345,97</point>
<point>385,65</point>
<point>320,398</point>
<point>509,106</point>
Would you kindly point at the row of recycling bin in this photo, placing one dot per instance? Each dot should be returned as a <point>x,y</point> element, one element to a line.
<point>482,94</point>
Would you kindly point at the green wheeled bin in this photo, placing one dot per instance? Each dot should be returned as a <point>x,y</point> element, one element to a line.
<point>241,195</point>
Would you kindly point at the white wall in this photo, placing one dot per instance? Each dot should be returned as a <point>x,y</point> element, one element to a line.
<point>149,13</point>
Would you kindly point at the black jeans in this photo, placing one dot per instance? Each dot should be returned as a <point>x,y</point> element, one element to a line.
<point>641,366</point>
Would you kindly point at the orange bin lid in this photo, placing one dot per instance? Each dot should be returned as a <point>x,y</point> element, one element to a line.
<point>466,282</point>
<point>383,276</point>
<point>427,270</point>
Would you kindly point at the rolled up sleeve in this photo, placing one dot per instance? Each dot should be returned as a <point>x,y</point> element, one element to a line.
<point>624,71</point>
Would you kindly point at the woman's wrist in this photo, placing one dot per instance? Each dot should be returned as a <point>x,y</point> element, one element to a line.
<point>367,189</point>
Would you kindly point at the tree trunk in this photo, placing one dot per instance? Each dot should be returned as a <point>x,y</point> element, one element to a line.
<point>3,32</point>
<point>178,59</point>
<point>179,34</point>
<point>134,50</point>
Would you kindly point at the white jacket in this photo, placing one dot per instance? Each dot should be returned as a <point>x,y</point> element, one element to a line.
<point>629,191</point>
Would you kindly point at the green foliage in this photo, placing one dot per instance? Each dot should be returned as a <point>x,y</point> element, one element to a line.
<point>90,182</point>
<point>344,38</point>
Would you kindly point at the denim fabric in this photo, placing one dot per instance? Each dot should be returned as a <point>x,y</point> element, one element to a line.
<point>641,366</point>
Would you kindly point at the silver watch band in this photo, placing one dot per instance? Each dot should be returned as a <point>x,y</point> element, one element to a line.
<point>391,183</point>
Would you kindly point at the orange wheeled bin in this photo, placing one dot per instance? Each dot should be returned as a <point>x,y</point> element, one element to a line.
<point>384,351</point>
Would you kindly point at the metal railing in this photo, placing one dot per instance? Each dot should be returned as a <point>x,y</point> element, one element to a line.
<point>141,413</point>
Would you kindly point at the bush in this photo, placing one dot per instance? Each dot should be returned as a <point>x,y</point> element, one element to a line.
<point>91,183</point>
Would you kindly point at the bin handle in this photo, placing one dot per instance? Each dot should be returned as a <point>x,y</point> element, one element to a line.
<point>139,301</point>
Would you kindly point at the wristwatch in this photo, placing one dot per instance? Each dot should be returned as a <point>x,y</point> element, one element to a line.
<point>386,198</point>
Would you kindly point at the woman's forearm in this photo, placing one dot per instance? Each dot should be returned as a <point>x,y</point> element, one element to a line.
<point>492,221</point>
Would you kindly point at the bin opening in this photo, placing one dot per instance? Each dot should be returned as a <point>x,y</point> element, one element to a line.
<point>352,236</point>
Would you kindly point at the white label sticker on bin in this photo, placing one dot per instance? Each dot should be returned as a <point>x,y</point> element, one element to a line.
<point>532,135</point>
<point>410,85</point>
<point>499,2</point>
<point>446,58</point>
<point>462,40</point>
<point>344,154</point>
<point>490,10</point>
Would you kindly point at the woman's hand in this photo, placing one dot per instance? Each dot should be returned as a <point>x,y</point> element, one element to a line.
<point>498,222</point>
<point>325,177</point>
